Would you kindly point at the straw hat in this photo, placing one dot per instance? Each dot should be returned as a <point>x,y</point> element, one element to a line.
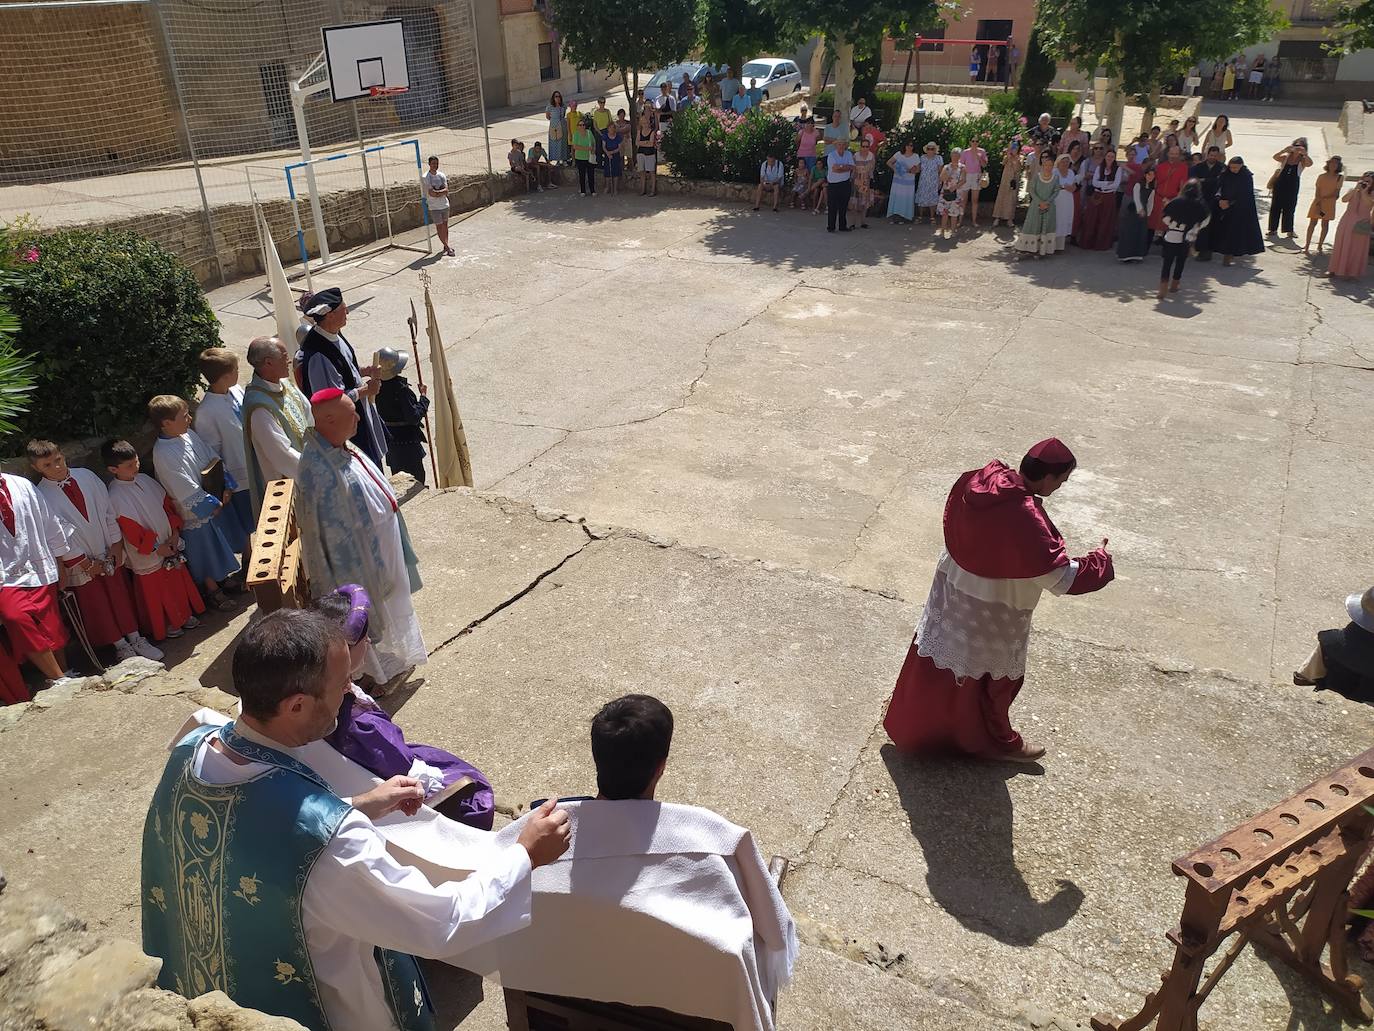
<point>1361,609</point>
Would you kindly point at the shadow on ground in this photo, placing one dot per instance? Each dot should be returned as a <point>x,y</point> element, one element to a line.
<point>961,816</point>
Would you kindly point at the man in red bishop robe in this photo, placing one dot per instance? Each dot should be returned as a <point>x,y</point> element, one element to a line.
<point>968,659</point>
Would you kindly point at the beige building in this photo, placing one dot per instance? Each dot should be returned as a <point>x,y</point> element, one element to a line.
<point>522,62</point>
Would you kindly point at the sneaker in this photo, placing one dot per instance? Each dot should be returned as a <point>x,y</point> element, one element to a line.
<point>219,602</point>
<point>124,650</point>
<point>174,632</point>
<point>191,624</point>
<point>146,648</point>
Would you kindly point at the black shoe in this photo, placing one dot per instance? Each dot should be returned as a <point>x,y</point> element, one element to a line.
<point>829,229</point>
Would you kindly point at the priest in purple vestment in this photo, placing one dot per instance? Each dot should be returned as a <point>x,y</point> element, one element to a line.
<point>366,734</point>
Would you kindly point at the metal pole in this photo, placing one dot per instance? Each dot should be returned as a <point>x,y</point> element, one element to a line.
<point>367,182</point>
<point>303,138</point>
<point>919,104</point>
<point>481,94</point>
<point>170,56</point>
<point>386,204</point>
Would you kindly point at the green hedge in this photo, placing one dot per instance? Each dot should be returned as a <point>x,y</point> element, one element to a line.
<point>992,132</point>
<point>704,143</point>
<point>887,107</point>
<point>111,319</point>
<point>1061,107</point>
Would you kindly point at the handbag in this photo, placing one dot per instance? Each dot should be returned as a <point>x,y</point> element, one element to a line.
<point>950,195</point>
<point>1361,227</point>
<point>1274,179</point>
<point>984,181</point>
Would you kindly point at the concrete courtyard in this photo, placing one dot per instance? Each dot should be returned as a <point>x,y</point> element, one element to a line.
<point>712,449</point>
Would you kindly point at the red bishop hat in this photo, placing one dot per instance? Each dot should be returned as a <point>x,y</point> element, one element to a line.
<point>1052,451</point>
<point>328,394</point>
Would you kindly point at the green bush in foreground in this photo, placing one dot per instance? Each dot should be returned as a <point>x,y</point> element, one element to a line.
<point>110,319</point>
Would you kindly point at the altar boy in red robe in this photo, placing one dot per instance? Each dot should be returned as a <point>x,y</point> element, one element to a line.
<point>96,570</point>
<point>164,593</point>
<point>968,659</point>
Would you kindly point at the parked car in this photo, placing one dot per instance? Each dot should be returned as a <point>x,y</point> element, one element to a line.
<point>673,77</point>
<point>776,76</point>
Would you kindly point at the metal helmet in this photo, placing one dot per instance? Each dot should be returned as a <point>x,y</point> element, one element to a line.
<point>391,362</point>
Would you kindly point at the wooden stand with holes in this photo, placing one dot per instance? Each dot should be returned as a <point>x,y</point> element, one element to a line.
<point>275,575</point>
<point>1281,881</point>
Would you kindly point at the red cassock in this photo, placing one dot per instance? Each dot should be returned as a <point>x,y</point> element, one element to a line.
<point>164,598</point>
<point>1169,180</point>
<point>12,686</point>
<point>966,663</point>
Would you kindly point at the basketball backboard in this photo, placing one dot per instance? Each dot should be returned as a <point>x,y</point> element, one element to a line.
<point>365,57</point>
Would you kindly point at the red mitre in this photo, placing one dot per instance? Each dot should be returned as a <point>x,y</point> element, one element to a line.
<point>324,396</point>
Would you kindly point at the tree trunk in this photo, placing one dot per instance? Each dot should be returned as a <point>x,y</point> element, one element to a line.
<point>629,97</point>
<point>844,75</point>
<point>906,77</point>
<point>1115,109</point>
<point>1151,106</point>
<point>816,69</point>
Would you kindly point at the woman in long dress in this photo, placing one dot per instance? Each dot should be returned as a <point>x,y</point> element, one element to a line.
<point>928,187</point>
<point>1064,202</point>
<point>1009,189</point>
<point>1350,252</point>
<point>1239,233</point>
<point>1323,207</point>
<point>901,199</point>
<point>1100,190</point>
<point>1037,235</point>
<point>557,115</point>
<point>1134,234</point>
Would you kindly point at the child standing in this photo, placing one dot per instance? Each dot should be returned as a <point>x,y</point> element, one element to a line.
<point>219,421</point>
<point>31,543</point>
<point>164,593</point>
<point>180,458</point>
<point>801,184</point>
<point>95,564</point>
<point>403,413</point>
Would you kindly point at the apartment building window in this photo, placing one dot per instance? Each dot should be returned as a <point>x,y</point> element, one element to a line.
<point>548,61</point>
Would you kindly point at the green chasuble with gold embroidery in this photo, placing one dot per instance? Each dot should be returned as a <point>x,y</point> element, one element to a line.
<point>224,874</point>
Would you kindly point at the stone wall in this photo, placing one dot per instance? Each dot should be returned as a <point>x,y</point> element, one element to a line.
<point>347,221</point>
<point>55,975</point>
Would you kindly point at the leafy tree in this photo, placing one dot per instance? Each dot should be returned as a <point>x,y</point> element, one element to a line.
<point>625,36</point>
<point>850,23</point>
<point>1354,26</point>
<point>733,31</point>
<point>1032,91</point>
<point>1141,44</point>
<point>1144,43</point>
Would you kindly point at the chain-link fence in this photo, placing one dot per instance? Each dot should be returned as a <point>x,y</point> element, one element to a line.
<point>147,113</point>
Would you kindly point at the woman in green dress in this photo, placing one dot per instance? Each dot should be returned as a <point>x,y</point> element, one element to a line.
<point>1037,235</point>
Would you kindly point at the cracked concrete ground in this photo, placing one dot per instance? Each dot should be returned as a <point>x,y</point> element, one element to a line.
<point>712,448</point>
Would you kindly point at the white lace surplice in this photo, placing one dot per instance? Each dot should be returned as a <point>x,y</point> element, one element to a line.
<point>974,626</point>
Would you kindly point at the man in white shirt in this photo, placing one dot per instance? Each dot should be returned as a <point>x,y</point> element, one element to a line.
<point>275,418</point>
<point>859,114</point>
<point>32,543</point>
<point>436,196</point>
<point>665,104</point>
<point>839,184</point>
<point>770,178</point>
<point>260,882</point>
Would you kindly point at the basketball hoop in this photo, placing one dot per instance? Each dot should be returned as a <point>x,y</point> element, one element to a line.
<point>386,91</point>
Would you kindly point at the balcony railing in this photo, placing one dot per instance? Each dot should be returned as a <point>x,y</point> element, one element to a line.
<point>1309,12</point>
